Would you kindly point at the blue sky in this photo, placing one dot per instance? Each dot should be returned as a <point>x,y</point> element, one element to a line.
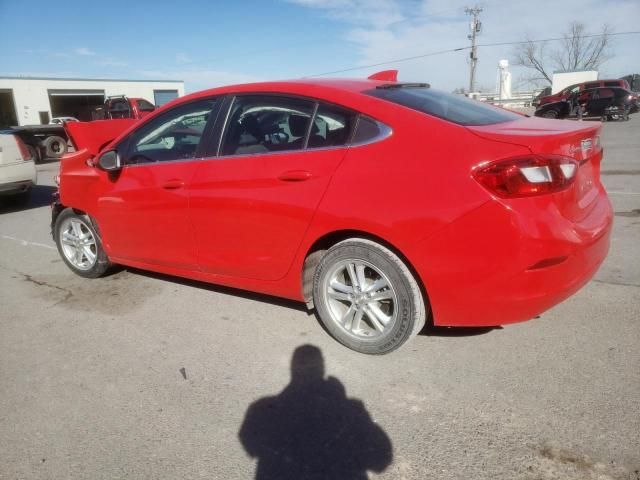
<point>219,42</point>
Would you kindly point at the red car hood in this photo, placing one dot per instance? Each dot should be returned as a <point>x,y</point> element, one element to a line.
<point>94,136</point>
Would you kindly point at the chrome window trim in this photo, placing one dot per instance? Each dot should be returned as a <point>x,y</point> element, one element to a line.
<point>385,132</point>
<point>164,162</point>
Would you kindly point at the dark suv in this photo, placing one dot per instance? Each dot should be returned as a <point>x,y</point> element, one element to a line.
<point>580,87</point>
<point>605,102</point>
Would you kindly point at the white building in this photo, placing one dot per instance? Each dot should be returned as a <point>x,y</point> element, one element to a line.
<point>34,100</point>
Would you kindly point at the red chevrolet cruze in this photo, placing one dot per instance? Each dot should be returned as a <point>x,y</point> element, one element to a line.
<point>378,203</point>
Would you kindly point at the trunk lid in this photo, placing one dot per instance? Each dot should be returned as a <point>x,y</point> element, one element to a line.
<point>577,140</point>
<point>94,136</point>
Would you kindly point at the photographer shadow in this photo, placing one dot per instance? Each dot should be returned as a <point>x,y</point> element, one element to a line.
<point>311,430</point>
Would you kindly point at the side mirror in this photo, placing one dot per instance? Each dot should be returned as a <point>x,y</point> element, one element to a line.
<point>109,161</point>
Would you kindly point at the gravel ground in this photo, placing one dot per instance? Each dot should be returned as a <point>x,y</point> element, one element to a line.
<point>139,375</point>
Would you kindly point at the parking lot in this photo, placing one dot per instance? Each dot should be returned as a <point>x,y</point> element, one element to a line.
<point>140,375</point>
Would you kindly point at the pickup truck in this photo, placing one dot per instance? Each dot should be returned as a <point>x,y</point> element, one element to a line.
<point>120,106</point>
<point>51,141</point>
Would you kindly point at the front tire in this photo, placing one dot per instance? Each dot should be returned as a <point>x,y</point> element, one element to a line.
<point>79,245</point>
<point>367,298</point>
<point>550,114</point>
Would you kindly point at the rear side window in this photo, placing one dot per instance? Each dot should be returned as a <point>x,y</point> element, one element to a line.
<point>119,109</point>
<point>145,106</point>
<point>605,92</point>
<point>369,130</point>
<point>454,108</point>
<point>261,124</point>
<point>587,86</point>
<point>332,126</point>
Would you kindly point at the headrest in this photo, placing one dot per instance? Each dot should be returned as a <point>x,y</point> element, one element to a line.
<point>298,125</point>
<point>250,124</point>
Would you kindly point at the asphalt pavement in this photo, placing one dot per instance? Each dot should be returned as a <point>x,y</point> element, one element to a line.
<point>138,375</point>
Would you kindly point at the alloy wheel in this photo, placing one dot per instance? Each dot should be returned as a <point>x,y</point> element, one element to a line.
<point>78,244</point>
<point>360,298</point>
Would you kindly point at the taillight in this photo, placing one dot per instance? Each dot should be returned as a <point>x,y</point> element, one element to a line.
<point>24,151</point>
<point>527,176</point>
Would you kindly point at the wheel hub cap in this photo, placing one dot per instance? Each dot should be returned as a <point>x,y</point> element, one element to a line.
<point>78,244</point>
<point>360,298</point>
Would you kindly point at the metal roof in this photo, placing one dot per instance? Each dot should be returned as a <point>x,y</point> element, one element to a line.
<point>87,79</point>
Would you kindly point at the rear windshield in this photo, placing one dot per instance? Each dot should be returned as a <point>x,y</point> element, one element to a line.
<point>454,108</point>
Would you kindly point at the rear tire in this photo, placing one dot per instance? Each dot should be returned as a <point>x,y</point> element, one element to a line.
<point>55,146</point>
<point>550,114</point>
<point>367,298</point>
<point>79,245</point>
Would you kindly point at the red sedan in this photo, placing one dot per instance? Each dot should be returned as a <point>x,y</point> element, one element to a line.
<point>381,204</point>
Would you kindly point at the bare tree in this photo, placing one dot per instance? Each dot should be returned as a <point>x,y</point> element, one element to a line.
<point>578,50</point>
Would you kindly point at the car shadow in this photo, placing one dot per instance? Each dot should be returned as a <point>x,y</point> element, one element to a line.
<point>236,292</point>
<point>41,195</point>
<point>432,331</point>
<point>429,330</point>
<point>311,429</point>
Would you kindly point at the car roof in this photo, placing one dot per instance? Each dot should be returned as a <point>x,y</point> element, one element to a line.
<point>601,87</point>
<point>303,86</point>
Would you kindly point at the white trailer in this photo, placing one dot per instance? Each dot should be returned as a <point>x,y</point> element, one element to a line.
<point>561,80</point>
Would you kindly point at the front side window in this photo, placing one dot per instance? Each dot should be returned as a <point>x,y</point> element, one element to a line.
<point>175,135</point>
<point>332,127</point>
<point>264,123</point>
<point>587,86</point>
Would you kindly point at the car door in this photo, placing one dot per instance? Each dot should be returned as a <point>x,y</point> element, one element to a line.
<point>600,99</point>
<point>143,209</point>
<point>252,204</point>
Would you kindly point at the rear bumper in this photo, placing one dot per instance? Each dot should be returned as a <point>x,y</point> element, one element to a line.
<point>17,177</point>
<point>497,265</point>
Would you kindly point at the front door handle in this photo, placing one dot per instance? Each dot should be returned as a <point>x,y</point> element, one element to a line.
<point>295,176</point>
<point>173,184</point>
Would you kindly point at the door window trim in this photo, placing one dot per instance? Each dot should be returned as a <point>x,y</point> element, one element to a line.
<point>215,146</point>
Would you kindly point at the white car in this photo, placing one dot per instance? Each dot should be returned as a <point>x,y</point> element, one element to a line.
<point>17,168</point>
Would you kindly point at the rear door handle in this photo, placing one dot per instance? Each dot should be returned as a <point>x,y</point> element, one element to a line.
<point>295,176</point>
<point>173,184</point>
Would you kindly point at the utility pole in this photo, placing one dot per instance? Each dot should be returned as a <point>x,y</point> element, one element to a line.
<point>475,27</point>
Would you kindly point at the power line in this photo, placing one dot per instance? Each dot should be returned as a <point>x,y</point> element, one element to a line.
<point>451,50</point>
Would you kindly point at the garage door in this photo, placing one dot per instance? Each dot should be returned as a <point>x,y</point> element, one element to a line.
<point>160,97</point>
<point>8,116</point>
<point>80,104</point>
